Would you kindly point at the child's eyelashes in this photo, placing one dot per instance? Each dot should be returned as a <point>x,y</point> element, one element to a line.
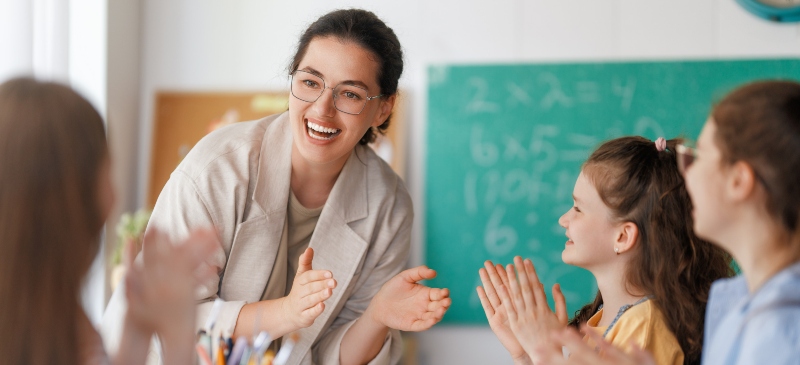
<point>575,207</point>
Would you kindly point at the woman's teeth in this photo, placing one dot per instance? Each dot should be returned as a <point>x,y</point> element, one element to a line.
<point>319,132</point>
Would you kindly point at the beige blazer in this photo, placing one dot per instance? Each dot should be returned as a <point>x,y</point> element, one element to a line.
<point>237,179</point>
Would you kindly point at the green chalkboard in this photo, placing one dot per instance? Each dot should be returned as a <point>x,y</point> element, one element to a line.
<point>505,144</point>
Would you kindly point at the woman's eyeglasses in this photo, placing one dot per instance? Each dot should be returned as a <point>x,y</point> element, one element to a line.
<point>686,156</point>
<point>347,98</point>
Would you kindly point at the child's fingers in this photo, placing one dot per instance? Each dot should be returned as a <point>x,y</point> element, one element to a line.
<point>509,305</point>
<point>488,288</point>
<point>610,351</point>
<point>487,307</point>
<point>596,337</point>
<point>495,276</point>
<point>129,253</point>
<point>501,273</point>
<point>194,251</point>
<point>549,355</point>
<point>204,273</point>
<point>561,304</point>
<point>151,238</point>
<point>580,352</point>
<point>615,355</point>
<point>516,292</point>
<point>538,289</point>
<point>132,280</point>
<point>525,285</point>
<point>204,243</point>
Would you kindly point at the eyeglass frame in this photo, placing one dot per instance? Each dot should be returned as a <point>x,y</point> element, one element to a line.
<point>682,149</point>
<point>325,87</point>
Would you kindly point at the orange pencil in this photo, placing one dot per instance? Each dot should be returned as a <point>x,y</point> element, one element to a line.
<point>221,349</point>
<point>268,357</point>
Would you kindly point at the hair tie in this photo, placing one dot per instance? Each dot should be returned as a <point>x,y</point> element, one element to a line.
<point>661,144</point>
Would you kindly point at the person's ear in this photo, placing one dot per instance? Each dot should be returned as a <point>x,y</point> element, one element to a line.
<point>627,236</point>
<point>741,181</point>
<point>386,107</point>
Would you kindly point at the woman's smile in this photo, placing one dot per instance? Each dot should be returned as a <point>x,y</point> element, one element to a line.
<point>319,132</point>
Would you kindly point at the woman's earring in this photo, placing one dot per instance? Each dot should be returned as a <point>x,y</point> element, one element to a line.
<point>616,250</point>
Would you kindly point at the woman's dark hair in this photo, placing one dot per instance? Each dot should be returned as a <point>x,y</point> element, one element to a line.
<point>759,123</point>
<point>53,146</point>
<point>368,31</point>
<point>643,185</point>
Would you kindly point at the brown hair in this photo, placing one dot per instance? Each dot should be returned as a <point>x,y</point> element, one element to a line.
<point>643,185</point>
<point>759,123</point>
<point>52,144</point>
<point>365,29</point>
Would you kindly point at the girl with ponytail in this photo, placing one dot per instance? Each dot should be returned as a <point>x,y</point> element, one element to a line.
<point>631,227</point>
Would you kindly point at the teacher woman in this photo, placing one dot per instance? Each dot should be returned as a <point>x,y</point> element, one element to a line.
<point>314,226</point>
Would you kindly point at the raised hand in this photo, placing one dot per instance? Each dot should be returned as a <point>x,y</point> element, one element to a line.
<point>529,315</point>
<point>160,288</point>
<point>404,304</point>
<point>583,354</point>
<point>310,289</point>
<point>494,277</point>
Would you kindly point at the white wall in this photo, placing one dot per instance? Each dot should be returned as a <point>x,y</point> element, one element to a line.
<point>246,45</point>
<point>87,74</point>
<point>16,39</point>
<point>63,41</point>
<point>123,116</point>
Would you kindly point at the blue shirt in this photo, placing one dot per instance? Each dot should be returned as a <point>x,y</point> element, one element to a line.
<point>758,328</point>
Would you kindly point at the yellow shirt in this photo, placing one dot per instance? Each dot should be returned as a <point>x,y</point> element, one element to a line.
<point>644,325</point>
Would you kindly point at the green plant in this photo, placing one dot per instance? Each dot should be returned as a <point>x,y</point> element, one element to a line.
<point>131,227</point>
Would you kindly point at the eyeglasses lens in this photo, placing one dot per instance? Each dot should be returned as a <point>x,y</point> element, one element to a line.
<point>308,87</point>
